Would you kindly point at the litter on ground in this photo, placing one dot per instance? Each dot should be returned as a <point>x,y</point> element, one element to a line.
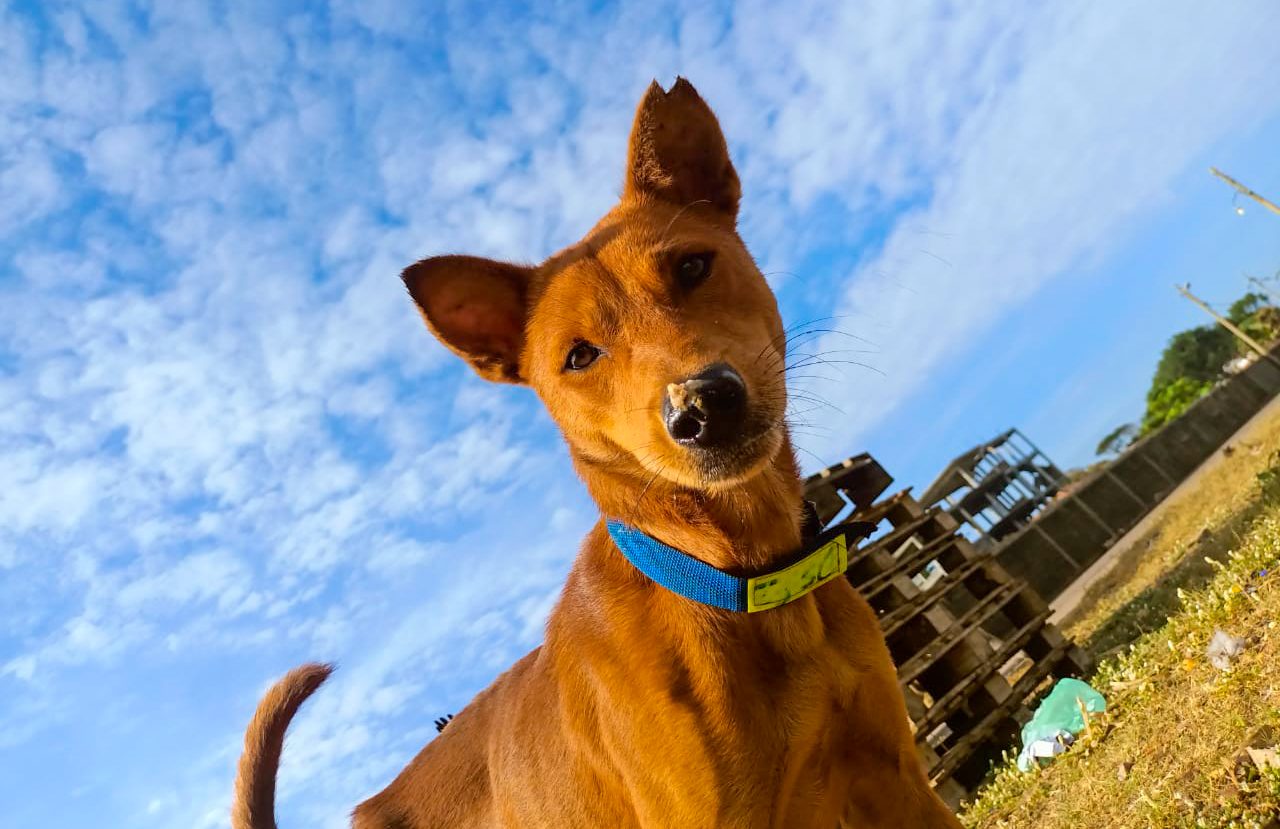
<point>1059,718</point>
<point>1223,649</point>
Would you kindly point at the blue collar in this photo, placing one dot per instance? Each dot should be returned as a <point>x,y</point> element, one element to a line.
<point>821,560</point>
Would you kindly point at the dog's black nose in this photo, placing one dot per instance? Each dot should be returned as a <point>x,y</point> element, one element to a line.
<point>707,409</point>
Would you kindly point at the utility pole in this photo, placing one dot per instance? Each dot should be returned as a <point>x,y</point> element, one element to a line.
<point>1257,283</point>
<point>1185,290</point>
<point>1245,191</point>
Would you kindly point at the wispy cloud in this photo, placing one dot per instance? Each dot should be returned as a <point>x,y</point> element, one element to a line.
<point>227,446</point>
<point>1050,172</point>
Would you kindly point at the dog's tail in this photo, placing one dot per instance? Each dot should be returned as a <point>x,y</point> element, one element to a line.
<point>254,804</point>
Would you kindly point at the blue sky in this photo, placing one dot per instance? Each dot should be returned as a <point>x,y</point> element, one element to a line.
<point>227,446</point>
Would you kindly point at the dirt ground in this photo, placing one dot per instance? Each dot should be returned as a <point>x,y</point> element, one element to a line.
<point>1257,437</point>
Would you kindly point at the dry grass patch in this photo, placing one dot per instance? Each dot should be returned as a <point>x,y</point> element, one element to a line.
<point>1165,753</point>
<point>1140,593</point>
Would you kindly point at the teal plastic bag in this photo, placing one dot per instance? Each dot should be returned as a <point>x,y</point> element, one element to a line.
<point>1057,721</point>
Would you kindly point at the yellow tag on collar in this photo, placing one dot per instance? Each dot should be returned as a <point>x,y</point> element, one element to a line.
<point>809,573</point>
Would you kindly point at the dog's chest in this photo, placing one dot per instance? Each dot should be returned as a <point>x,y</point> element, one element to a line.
<point>755,736</point>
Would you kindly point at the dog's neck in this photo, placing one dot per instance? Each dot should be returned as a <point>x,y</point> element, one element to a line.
<point>742,529</point>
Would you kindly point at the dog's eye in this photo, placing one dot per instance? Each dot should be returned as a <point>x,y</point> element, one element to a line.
<point>581,356</point>
<point>692,270</point>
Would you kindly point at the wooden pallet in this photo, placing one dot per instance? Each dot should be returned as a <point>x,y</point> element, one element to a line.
<point>953,619</point>
<point>858,480</point>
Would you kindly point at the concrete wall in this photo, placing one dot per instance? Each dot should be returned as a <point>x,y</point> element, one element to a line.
<point>1073,532</point>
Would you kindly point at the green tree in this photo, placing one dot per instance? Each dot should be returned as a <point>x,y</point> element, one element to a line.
<point>1192,361</point>
<point>1118,439</point>
<point>1256,318</point>
<point>1263,324</point>
<point>1245,307</point>
<point>1195,354</point>
<point>1171,400</point>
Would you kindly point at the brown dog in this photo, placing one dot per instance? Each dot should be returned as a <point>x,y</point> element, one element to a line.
<point>657,347</point>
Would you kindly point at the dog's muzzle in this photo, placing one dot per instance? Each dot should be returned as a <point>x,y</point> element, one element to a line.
<point>707,410</point>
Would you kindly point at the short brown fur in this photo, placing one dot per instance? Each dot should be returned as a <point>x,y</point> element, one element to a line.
<point>643,708</point>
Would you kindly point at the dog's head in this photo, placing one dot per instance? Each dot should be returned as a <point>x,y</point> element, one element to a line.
<point>655,342</point>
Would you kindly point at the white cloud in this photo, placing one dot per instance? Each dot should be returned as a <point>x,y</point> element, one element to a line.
<point>1050,173</point>
<point>30,183</point>
<point>215,575</point>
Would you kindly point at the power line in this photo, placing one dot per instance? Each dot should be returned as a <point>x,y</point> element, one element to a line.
<point>1266,292</point>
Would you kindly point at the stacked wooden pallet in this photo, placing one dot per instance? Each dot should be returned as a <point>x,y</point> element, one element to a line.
<point>972,644</point>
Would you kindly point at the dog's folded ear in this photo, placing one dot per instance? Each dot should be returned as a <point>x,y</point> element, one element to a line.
<point>476,307</point>
<point>678,153</point>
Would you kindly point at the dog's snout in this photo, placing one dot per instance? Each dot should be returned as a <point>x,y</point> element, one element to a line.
<point>707,409</point>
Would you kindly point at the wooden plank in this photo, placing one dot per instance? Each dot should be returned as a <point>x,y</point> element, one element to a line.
<point>860,478</point>
<point>950,702</point>
<point>936,649</point>
<point>914,562</point>
<point>892,622</point>
<point>929,520</point>
<point>880,510</point>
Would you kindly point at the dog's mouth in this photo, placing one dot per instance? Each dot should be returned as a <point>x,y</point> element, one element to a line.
<point>733,462</point>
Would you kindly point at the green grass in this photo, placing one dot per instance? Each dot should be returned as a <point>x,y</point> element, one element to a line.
<point>1165,753</point>
<point>1207,519</point>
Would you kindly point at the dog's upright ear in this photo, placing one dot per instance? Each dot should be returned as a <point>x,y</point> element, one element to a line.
<point>678,153</point>
<point>476,307</point>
